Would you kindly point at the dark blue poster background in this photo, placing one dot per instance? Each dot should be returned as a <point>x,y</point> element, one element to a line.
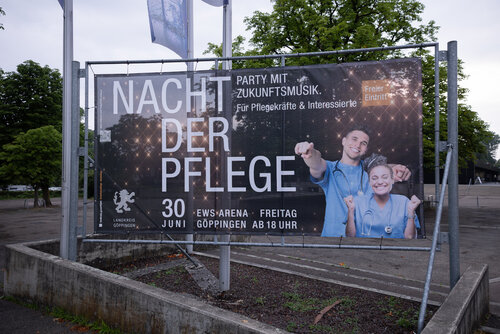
<point>213,151</point>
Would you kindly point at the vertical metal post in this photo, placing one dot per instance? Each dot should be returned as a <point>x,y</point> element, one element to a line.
<point>190,68</point>
<point>453,221</point>
<point>73,184</point>
<point>86,153</point>
<point>190,41</point>
<point>227,42</point>
<point>435,238</point>
<point>436,120</point>
<point>67,106</point>
<point>225,251</point>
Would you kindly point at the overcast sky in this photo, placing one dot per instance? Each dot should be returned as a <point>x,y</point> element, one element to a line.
<point>119,30</point>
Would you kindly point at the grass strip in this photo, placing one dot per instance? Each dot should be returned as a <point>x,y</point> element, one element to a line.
<point>59,313</point>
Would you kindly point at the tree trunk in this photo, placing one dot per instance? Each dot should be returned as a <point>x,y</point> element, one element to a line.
<point>46,196</point>
<point>35,203</point>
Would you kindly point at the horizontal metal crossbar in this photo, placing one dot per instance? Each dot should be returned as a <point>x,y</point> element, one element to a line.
<point>260,244</point>
<point>285,55</point>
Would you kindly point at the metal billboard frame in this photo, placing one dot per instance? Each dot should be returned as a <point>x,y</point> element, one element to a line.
<point>451,167</point>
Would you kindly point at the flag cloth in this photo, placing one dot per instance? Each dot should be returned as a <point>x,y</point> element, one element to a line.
<point>169,25</point>
<point>216,3</point>
<point>61,2</point>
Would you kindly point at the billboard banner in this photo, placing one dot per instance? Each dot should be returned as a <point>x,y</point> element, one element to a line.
<point>231,151</point>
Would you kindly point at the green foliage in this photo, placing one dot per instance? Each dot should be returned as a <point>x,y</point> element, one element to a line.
<point>237,48</point>
<point>291,326</point>
<point>488,157</point>
<point>99,326</point>
<point>297,26</point>
<point>321,328</point>
<point>2,12</point>
<point>260,300</point>
<point>57,312</point>
<point>405,318</point>
<point>238,51</point>
<point>29,98</point>
<point>298,303</point>
<point>172,271</point>
<point>474,136</point>
<point>33,158</point>
<point>408,321</point>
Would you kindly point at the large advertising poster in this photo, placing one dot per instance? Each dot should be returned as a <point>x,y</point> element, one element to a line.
<point>222,151</point>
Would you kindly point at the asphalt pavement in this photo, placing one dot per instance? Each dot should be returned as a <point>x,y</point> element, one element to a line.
<point>20,222</point>
<point>392,272</point>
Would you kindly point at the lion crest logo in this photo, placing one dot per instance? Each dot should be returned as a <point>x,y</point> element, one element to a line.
<point>122,199</point>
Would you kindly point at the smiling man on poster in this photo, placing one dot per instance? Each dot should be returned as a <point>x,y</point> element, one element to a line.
<point>342,178</point>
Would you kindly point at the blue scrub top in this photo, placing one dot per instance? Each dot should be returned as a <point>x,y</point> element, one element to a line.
<point>371,220</point>
<point>344,182</point>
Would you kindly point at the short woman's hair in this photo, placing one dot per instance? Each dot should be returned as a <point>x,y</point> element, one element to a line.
<point>376,160</point>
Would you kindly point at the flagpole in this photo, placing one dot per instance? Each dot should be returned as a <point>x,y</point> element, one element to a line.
<point>225,251</point>
<point>67,105</point>
<point>190,68</point>
<point>227,40</point>
<point>190,46</point>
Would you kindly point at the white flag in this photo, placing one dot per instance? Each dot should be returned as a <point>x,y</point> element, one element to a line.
<point>216,3</point>
<point>169,25</point>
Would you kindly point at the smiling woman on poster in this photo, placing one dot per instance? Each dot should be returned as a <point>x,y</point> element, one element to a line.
<point>344,177</point>
<point>380,213</point>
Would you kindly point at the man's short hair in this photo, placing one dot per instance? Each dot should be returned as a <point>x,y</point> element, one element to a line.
<point>357,127</point>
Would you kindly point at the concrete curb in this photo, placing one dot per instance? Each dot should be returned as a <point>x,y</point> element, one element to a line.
<point>117,300</point>
<point>465,306</point>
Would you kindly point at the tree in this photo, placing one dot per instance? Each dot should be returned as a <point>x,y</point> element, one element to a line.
<point>297,26</point>
<point>34,158</point>
<point>29,98</point>
<point>238,50</point>
<point>491,145</point>
<point>2,13</point>
<point>474,135</point>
